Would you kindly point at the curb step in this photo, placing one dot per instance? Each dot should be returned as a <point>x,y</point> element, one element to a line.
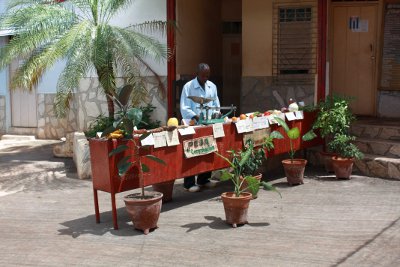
<point>379,166</point>
<point>18,137</point>
<point>383,131</point>
<point>389,148</point>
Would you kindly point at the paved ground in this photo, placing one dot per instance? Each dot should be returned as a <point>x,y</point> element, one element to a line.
<point>47,219</point>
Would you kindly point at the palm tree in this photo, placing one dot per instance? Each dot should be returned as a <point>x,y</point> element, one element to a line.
<point>79,32</point>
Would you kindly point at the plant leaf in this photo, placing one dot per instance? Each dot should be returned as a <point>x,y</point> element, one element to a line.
<point>124,165</point>
<point>145,168</point>
<point>225,176</point>
<point>294,133</point>
<point>245,157</point>
<point>118,150</point>
<point>124,94</point>
<point>282,123</point>
<point>226,159</point>
<point>276,135</point>
<point>135,115</point>
<point>308,136</point>
<point>267,186</point>
<point>156,159</point>
<point>253,184</point>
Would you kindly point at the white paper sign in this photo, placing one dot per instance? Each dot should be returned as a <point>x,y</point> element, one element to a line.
<point>249,125</point>
<point>241,126</point>
<point>187,131</point>
<point>299,115</point>
<point>218,130</point>
<point>160,139</point>
<point>172,137</point>
<point>290,116</point>
<point>148,141</point>
<point>260,122</point>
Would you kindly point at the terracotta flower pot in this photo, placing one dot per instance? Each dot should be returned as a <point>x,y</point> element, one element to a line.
<point>294,170</point>
<point>236,207</point>
<point>166,189</point>
<point>343,167</point>
<point>144,212</point>
<point>326,158</point>
<point>244,185</point>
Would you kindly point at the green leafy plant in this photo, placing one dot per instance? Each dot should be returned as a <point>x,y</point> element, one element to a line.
<point>127,118</point>
<point>147,122</point>
<point>98,125</point>
<point>81,33</point>
<point>257,157</point>
<point>293,134</point>
<point>334,116</point>
<point>342,144</point>
<point>236,173</point>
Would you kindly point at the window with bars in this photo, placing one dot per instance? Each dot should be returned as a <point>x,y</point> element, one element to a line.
<point>295,41</point>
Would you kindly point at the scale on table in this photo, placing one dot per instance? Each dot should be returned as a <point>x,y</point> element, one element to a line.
<point>202,101</point>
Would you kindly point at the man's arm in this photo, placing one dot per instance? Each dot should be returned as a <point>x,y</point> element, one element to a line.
<point>186,111</point>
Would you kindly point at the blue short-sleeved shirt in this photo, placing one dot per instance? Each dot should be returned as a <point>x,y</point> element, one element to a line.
<point>193,88</point>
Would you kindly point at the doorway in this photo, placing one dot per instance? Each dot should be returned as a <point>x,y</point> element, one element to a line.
<point>353,54</point>
<point>23,104</point>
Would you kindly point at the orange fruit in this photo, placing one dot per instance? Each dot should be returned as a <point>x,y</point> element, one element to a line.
<point>243,116</point>
<point>251,116</point>
<point>234,119</point>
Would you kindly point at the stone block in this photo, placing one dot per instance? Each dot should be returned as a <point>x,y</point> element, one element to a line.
<point>379,148</point>
<point>81,155</point>
<point>371,132</point>
<point>92,110</point>
<point>390,134</point>
<point>362,166</point>
<point>377,169</point>
<point>362,146</point>
<point>394,170</point>
<point>357,130</point>
<point>395,150</point>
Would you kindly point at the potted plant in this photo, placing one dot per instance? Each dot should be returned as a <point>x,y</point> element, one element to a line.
<point>333,117</point>
<point>347,152</point>
<point>144,207</point>
<point>252,166</point>
<point>294,168</point>
<point>236,203</point>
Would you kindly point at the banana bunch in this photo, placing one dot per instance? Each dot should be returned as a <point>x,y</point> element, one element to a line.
<point>117,134</point>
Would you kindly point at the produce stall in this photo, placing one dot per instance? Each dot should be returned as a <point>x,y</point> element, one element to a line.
<point>184,153</point>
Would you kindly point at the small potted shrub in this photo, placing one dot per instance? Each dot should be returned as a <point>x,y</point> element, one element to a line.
<point>256,159</point>
<point>334,117</point>
<point>144,207</point>
<point>347,152</point>
<point>236,203</point>
<point>294,168</point>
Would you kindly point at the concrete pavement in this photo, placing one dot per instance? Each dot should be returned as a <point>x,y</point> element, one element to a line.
<point>47,219</point>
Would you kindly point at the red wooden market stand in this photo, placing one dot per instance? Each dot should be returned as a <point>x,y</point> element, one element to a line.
<point>105,172</point>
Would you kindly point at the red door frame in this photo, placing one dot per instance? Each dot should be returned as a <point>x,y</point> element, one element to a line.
<point>171,66</point>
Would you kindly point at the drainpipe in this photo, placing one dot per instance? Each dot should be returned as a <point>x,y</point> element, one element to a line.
<point>171,65</point>
<point>322,44</point>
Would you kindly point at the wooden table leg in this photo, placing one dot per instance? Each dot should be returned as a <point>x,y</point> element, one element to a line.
<point>114,211</point>
<point>96,205</point>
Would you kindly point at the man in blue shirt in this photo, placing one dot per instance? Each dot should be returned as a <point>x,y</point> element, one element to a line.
<point>199,86</point>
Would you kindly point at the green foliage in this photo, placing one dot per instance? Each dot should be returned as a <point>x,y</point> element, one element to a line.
<point>147,122</point>
<point>342,145</point>
<point>241,164</point>
<point>293,134</point>
<point>80,33</point>
<point>98,125</point>
<point>334,116</point>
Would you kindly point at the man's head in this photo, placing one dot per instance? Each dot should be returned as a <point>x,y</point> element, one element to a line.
<point>203,73</point>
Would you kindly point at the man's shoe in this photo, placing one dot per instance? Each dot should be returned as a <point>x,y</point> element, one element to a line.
<point>193,189</point>
<point>209,184</point>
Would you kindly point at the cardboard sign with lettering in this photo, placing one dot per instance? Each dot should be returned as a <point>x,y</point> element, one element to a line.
<point>199,146</point>
<point>257,136</point>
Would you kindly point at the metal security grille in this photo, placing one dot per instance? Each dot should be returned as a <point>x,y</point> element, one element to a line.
<point>295,40</point>
<point>390,77</point>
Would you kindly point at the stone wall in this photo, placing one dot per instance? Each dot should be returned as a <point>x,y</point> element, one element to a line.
<point>49,126</point>
<point>2,114</point>
<point>265,93</point>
